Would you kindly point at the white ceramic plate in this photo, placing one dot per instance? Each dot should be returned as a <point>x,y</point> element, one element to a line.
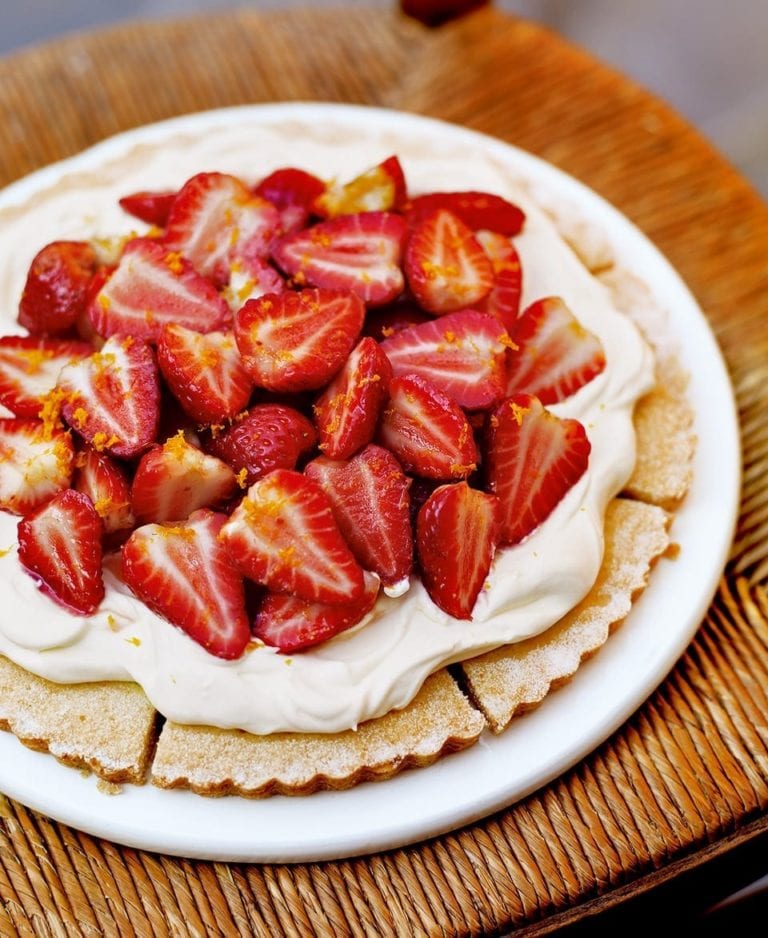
<point>537,747</point>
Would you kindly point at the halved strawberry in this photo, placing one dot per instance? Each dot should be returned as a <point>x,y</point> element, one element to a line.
<point>291,624</point>
<point>177,478</point>
<point>36,462</point>
<point>504,299</point>
<point>457,531</point>
<point>251,278</point>
<point>360,252</point>
<point>29,368</point>
<point>533,459</point>
<point>369,496</point>
<point>204,372</point>
<point>427,431</point>
<point>292,191</point>
<point>385,321</point>
<point>60,545</point>
<point>476,209</point>
<point>444,264</point>
<point>555,354</point>
<point>152,286</point>
<point>106,483</point>
<point>462,354</point>
<point>283,535</point>
<point>297,341</point>
<point>184,574</point>
<point>347,411</point>
<point>148,206</point>
<point>378,189</point>
<point>112,398</point>
<point>267,437</point>
<point>215,219</point>
<point>56,289</point>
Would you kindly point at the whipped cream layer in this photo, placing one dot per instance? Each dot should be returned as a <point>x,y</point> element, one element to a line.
<point>381,663</point>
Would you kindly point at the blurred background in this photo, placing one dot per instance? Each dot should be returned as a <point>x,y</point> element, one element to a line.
<point>708,59</point>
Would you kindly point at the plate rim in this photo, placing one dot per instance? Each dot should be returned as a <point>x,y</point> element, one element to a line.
<point>138,820</point>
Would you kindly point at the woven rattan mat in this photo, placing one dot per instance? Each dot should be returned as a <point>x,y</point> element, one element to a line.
<point>688,774</point>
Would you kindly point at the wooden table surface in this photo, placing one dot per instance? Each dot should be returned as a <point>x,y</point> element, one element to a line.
<point>687,776</point>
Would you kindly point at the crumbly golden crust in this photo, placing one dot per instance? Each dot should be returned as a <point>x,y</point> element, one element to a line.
<point>438,720</point>
<point>511,680</point>
<point>107,728</point>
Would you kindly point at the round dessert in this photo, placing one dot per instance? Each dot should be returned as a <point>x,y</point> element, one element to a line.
<point>420,407</point>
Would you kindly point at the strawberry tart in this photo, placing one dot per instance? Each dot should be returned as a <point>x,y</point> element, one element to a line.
<point>321,454</point>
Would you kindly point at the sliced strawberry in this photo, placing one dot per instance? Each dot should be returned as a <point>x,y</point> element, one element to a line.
<point>457,531</point>
<point>369,495</point>
<point>283,535</point>
<point>177,478</point>
<point>504,299</point>
<point>204,372</point>
<point>298,341</point>
<point>385,321</point>
<point>347,411</point>
<point>152,286</point>
<point>462,354</point>
<point>250,279</point>
<point>379,189</point>
<point>267,437</point>
<point>29,368</point>
<point>215,219</point>
<point>427,431</point>
<point>292,191</point>
<point>36,462</point>
<point>555,354</point>
<point>476,209</point>
<point>60,545</point>
<point>56,289</point>
<point>291,624</point>
<point>184,574</point>
<point>360,252</point>
<point>533,459</point>
<point>106,483</point>
<point>444,264</point>
<point>112,398</point>
<point>151,207</point>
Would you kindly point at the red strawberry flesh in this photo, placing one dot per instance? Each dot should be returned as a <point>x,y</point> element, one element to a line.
<point>360,252</point>
<point>369,496</point>
<point>533,460</point>
<point>184,574</point>
<point>462,354</point>
<point>457,530</point>
<point>291,624</point>
<point>445,266</point>
<point>56,289</point>
<point>60,545</point>
<point>267,437</point>
<point>427,431</point>
<point>36,462</point>
<point>29,369</point>
<point>284,535</point>
<point>298,341</point>
<point>347,411</point>
<point>112,398</point>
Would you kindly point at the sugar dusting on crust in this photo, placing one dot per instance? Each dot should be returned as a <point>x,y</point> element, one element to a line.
<point>107,728</point>
<point>663,418</point>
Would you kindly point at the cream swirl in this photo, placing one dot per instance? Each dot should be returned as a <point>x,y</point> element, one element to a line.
<point>379,664</point>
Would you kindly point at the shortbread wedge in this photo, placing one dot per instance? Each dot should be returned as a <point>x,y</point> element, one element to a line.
<point>106,728</point>
<point>511,680</point>
<point>439,720</point>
